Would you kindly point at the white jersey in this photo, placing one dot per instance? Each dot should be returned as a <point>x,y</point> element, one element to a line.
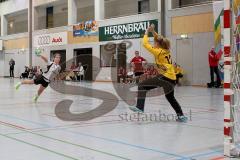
<point>130,73</point>
<point>52,72</point>
<point>81,70</point>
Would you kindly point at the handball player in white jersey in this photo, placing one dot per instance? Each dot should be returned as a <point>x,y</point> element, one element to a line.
<point>53,69</point>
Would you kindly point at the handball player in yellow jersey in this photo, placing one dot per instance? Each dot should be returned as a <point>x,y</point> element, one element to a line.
<point>166,77</point>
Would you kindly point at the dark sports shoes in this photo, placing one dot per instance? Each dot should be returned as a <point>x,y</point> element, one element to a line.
<point>135,109</point>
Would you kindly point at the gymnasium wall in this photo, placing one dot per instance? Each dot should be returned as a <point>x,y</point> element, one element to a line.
<point>13,6</point>
<point>59,10</point>
<point>20,58</point>
<point>198,23</point>
<point>153,5</point>
<point>175,3</point>
<point>18,43</point>
<point>16,47</point>
<point>19,22</point>
<point>60,15</point>
<point>85,14</point>
<point>40,18</point>
<point>136,43</point>
<point>9,7</point>
<point>203,37</point>
<point>92,42</point>
<point>85,10</point>
<point>126,7</point>
<point>41,2</point>
<point>202,41</point>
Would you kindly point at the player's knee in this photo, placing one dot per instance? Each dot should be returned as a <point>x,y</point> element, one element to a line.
<point>169,94</point>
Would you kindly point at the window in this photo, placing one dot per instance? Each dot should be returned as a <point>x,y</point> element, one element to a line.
<point>17,22</point>
<point>52,16</point>
<point>49,19</point>
<point>85,10</point>
<point>120,8</point>
<point>143,6</point>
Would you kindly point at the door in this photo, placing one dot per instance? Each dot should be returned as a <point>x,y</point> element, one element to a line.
<point>185,59</point>
<point>84,55</point>
<point>121,56</point>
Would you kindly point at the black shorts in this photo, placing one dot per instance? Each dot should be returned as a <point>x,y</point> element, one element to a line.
<point>179,75</point>
<point>167,79</point>
<point>41,80</point>
<point>138,73</point>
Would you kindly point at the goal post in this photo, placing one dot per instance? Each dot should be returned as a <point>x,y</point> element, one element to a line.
<point>231,77</point>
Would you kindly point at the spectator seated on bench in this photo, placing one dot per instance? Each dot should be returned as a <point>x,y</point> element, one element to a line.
<point>149,72</point>
<point>121,78</point>
<point>130,78</point>
<point>25,73</point>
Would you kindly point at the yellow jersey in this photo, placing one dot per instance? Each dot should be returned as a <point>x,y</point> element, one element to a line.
<point>163,59</point>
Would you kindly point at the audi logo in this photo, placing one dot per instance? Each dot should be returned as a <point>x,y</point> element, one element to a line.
<point>44,40</point>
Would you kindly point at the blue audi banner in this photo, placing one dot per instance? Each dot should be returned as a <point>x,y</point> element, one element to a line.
<point>87,28</point>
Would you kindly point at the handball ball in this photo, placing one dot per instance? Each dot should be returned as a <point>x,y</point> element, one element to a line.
<point>38,52</point>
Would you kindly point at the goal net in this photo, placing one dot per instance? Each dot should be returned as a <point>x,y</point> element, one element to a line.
<point>234,74</point>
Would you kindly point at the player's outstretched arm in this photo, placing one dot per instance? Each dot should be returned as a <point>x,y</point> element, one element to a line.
<point>146,43</point>
<point>44,58</point>
<point>155,34</point>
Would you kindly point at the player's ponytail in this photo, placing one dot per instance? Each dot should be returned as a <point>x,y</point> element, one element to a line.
<point>166,44</point>
<point>162,42</point>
